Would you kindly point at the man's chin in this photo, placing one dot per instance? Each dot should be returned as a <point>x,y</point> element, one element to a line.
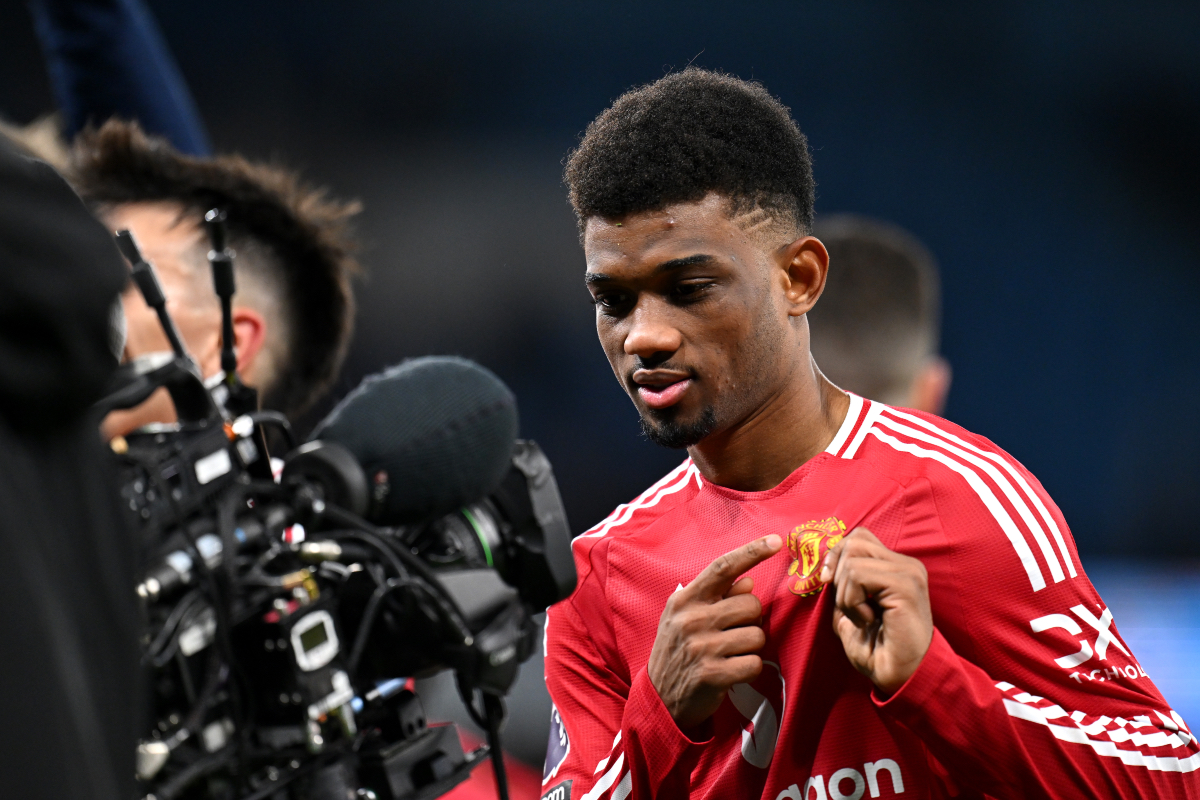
<point>666,428</point>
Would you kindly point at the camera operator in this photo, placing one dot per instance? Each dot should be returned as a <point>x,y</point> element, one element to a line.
<point>69,673</point>
<point>294,308</point>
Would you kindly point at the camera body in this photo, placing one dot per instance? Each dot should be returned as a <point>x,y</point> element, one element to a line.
<point>282,628</point>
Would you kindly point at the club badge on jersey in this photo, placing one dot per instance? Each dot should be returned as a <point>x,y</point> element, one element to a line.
<point>808,544</point>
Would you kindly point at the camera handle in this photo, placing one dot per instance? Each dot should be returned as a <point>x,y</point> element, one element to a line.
<point>181,376</point>
<point>147,282</point>
<point>238,397</point>
<point>220,257</point>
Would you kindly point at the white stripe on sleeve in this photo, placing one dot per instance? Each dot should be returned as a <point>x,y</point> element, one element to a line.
<point>1005,486</point>
<point>1070,728</point>
<point>604,761</point>
<point>624,787</point>
<point>608,780</point>
<point>1032,569</point>
<point>1033,496</point>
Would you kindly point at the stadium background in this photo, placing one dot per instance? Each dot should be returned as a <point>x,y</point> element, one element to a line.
<point>1049,156</point>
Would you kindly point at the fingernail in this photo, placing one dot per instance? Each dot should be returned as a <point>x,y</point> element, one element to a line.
<point>825,575</point>
<point>773,541</point>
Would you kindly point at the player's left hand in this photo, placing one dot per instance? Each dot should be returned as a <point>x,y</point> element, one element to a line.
<point>881,611</point>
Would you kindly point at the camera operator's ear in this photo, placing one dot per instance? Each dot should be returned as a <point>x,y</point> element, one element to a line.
<point>250,334</point>
<point>930,386</point>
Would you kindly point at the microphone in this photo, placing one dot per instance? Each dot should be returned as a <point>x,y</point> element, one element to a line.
<point>432,435</point>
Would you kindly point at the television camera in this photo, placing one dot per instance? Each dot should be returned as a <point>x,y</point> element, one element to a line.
<point>289,603</point>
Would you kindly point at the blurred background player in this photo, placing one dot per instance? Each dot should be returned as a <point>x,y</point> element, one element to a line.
<point>876,330</point>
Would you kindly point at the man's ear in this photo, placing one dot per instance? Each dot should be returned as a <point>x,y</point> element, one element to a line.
<point>806,265</point>
<point>249,336</point>
<point>931,386</point>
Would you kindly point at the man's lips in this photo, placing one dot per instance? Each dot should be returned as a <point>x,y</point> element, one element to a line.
<point>660,389</point>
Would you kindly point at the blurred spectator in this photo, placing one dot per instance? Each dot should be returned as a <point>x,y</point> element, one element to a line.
<point>107,58</point>
<point>876,327</point>
<point>40,139</point>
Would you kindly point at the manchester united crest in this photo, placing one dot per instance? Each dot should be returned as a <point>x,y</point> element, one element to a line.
<point>808,544</point>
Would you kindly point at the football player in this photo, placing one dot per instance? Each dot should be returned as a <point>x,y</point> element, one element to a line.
<point>830,597</point>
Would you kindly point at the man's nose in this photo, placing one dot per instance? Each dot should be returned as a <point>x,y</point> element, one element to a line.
<point>651,333</point>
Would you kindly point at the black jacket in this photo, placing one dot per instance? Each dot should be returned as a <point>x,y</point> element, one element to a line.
<point>69,681</point>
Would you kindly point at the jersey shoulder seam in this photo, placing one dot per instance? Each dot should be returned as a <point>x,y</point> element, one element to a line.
<point>953,553</point>
<point>604,614</point>
<point>992,476</point>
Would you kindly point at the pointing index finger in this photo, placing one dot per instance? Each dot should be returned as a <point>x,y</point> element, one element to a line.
<point>719,576</point>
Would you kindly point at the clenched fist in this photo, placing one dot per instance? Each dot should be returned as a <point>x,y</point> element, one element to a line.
<point>881,612</point>
<point>708,635</point>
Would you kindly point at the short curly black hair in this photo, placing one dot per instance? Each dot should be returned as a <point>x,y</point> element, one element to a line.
<point>688,134</point>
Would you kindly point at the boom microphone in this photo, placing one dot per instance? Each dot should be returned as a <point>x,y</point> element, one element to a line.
<point>432,434</point>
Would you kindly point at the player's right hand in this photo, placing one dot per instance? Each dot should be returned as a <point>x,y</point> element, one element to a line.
<point>708,636</point>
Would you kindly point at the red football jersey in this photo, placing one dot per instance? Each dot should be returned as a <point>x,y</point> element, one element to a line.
<point>1027,689</point>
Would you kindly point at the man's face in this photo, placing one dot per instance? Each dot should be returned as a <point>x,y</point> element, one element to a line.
<point>176,246</point>
<point>692,312</point>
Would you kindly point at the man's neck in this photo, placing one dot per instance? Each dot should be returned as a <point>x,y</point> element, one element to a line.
<point>793,426</point>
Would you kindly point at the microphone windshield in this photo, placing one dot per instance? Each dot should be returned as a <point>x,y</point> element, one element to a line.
<point>432,434</point>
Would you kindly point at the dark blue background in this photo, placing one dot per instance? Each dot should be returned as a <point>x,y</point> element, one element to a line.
<point>1048,155</point>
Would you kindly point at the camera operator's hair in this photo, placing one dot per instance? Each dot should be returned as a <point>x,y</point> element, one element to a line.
<point>688,134</point>
<point>292,241</point>
<point>879,316</point>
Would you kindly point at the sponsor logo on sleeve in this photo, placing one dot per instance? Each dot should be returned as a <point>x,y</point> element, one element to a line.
<point>560,792</point>
<point>556,752</point>
<point>808,544</point>
<point>1097,636</point>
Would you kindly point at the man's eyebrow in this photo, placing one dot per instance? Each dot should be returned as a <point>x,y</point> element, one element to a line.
<point>592,278</point>
<point>686,261</point>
